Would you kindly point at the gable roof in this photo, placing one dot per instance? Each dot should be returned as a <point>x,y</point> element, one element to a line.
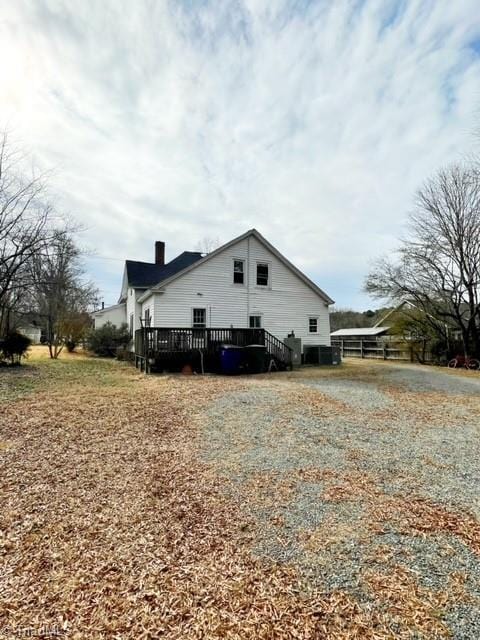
<point>142,275</point>
<point>106,309</point>
<point>253,233</point>
<point>359,331</point>
<point>392,311</point>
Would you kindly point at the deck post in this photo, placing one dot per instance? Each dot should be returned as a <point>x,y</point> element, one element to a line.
<point>165,344</point>
<point>145,348</point>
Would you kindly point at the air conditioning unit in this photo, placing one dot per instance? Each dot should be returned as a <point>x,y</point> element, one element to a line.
<point>321,354</point>
<point>295,345</point>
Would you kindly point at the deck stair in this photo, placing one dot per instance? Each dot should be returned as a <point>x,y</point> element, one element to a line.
<point>157,345</point>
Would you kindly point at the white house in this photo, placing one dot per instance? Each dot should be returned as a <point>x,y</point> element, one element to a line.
<point>246,283</point>
<point>116,315</point>
<point>32,331</point>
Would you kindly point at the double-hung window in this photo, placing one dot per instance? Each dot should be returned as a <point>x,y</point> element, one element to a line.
<point>255,322</point>
<point>199,318</point>
<point>313,325</point>
<point>263,276</point>
<point>238,272</point>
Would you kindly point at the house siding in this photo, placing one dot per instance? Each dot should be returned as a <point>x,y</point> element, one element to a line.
<point>285,305</point>
<point>134,307</point>
<point>149,304</point>
<point>115,315</point>
<point>31,332</point>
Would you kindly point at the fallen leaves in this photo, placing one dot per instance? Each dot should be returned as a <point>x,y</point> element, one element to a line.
<point>112,526</point>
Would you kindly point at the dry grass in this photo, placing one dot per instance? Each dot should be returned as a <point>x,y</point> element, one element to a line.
<point>112,527</point>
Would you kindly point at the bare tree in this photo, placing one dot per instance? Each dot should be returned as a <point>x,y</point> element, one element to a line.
<point>437,266</point>
<point>208,244</point>
<point>24,216</point>
<point>59,292</point>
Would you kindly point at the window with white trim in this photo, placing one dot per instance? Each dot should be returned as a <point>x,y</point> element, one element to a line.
<point>238,271</point>
<point>313,325</point>
<point>255,322</point>
<point>263,275</point>
<point>199,317</point>
<point>147,317</point>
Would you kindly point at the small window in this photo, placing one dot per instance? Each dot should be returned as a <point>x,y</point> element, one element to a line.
<point>238,271</point>
<point>255,322</point>
<point>262,274</point>
<point>131,325</point>
<point>199,318</point>
<point>313,325</point>
<point>147,317</point>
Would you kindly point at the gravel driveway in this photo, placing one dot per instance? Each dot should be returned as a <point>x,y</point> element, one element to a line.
<point>366,478</point>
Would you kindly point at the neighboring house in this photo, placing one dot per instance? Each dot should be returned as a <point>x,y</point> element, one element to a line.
<point>400,319</point>
<point>115,315</point>
<point>32,331</point>
<point>246,283</point>
<point>392,324</point>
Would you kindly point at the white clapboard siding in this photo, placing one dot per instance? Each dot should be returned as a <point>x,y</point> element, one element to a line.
<point>286,305</point>
<point>115,315</point>
<point>134,307</point>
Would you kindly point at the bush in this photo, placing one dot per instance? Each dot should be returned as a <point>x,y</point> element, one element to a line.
<point>443,352</point>
<point>125,354</point>
<point>71,345</point>
<point>13,347</point>
<point>107,339</point>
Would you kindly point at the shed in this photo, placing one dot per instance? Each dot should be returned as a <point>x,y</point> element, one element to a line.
<point>359,333</point>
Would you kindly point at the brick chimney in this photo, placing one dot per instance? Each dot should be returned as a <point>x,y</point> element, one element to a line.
<point>159,252</point>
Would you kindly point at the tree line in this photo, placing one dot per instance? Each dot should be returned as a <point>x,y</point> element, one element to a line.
<point>349,318</point>
<point>41,275</point>
<point>436,267</point>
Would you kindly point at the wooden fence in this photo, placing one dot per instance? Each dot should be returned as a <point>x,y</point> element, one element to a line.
<point>383,349</point>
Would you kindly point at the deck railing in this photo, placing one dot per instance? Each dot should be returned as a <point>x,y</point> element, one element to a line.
<point>151,342</point>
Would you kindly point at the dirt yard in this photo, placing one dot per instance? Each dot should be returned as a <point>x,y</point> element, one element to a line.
<point>325,503</point>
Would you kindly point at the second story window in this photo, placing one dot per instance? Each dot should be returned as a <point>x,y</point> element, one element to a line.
<point>238,272</point>
<point>262,274</point>
<point>313,325</point>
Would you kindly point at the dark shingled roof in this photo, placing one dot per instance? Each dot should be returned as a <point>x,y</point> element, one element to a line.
<point>147,274</point>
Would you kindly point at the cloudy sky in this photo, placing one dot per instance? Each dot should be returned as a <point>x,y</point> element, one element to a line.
<point>314,122</point>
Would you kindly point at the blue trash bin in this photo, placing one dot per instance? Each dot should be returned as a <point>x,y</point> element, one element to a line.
<point>231,359</point>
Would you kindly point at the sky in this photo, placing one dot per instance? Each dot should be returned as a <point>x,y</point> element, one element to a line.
<point>313,121</point>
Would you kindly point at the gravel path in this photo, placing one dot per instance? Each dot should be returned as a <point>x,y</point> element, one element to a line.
<point>429,379</point>
<point>367,479</point>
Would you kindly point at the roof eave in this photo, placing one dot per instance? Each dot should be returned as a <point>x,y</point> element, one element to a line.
<point>291,266</point>
<point>260,238</point>
<point>148,293</point>
<point>112,306</point>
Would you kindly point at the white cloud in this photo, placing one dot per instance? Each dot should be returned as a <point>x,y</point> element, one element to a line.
<point>313,121</point>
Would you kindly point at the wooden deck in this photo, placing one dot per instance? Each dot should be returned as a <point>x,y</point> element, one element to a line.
<point>171,347</point>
